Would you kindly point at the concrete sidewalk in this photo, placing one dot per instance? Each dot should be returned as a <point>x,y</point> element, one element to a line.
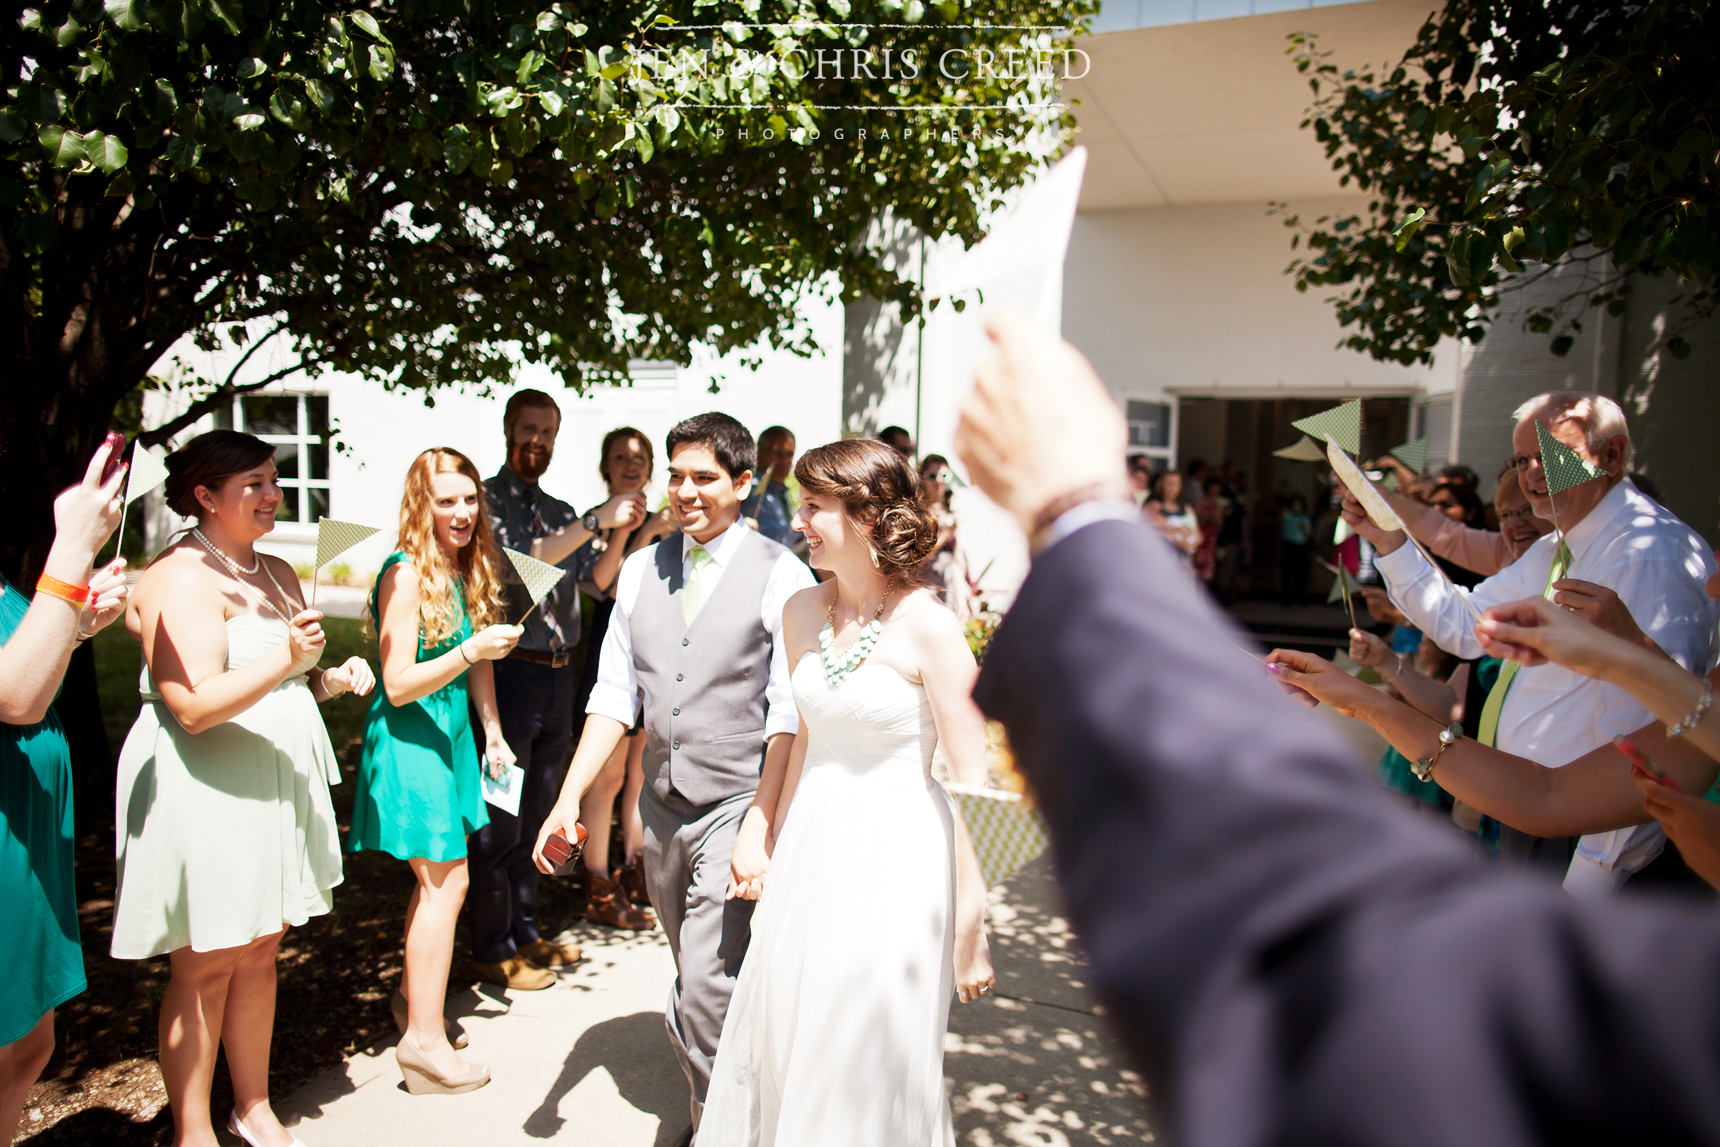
<point>587,1061</point>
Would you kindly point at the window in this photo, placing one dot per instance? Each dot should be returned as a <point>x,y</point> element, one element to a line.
<point>1149,428</point>
<point>297,426</point>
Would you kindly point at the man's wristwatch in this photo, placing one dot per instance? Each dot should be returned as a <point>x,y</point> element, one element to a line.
<point>589,522</point>
<point>1423,769</point>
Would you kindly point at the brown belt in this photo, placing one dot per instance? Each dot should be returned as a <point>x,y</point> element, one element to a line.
<point>553,660</point>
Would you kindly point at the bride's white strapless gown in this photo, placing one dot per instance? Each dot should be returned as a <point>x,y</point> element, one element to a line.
<point>835,1033</point>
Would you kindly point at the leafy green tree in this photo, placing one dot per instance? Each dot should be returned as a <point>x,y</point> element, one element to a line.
<point>1516,134</point>
<point>429,192</point>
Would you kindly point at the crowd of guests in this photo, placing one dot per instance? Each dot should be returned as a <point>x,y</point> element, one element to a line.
<point>225,827</point>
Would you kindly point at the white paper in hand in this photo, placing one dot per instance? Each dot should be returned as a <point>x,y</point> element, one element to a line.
<point>505,793</point>
<point>1357,483</point>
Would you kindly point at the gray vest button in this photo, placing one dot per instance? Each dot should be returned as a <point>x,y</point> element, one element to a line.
<point>680,676</point>
<point>676,745</point>
<point>676,713</point>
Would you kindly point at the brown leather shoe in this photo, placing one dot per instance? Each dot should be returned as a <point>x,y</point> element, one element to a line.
<point>604,904</point>
<point>549,954</point>
<point>517,974</point>
<point>632,881</point>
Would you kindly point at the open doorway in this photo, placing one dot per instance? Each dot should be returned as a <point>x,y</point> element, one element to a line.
<point>1232,440</point>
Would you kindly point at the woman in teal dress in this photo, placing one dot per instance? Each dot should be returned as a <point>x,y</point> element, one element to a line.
<point>42,960</point>
<point>436,602</point>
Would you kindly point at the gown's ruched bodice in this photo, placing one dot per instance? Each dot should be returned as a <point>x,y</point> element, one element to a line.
<point>852,943</point>
<point>225,835</point>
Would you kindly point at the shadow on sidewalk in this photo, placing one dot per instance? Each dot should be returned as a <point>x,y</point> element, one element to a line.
<point>634,1050</point>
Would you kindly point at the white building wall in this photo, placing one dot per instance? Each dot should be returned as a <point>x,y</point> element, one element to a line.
<point>1194,301</point>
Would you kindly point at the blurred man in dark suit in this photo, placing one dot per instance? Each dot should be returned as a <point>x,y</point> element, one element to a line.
<point>1289,956</point>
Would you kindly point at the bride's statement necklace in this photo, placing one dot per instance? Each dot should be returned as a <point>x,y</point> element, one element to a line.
<point>236,569</point>
<point>837,666</point>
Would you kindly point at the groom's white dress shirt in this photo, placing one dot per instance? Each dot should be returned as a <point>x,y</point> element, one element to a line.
<point>617,692</point>
<point>1553,715</point>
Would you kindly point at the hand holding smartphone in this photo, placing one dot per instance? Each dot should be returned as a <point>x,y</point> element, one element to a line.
<point>117,441</point>
<point>1639,762</point>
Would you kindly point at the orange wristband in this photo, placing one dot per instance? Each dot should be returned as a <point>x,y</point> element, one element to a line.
<point>65,591</point>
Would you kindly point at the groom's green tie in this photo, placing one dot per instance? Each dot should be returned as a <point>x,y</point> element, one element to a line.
<point>693,593</point>
<point>1488,732</point>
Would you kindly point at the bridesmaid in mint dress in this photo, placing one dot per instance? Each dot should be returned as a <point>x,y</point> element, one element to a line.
<point>39,950</point>
<point>224,826</point>
<point>437,604</point>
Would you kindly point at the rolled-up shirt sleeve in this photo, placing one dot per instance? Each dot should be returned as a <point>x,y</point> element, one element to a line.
<point>788,577</point>
<point>1435,606</point>
<point>616,692</point>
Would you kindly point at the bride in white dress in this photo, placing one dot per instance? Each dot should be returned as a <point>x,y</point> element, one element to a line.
<point>871,911</point>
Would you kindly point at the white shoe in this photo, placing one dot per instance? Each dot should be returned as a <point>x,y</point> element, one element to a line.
<point>239,1129</point>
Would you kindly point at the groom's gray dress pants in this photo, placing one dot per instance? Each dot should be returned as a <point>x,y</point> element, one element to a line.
<point>687,850</point>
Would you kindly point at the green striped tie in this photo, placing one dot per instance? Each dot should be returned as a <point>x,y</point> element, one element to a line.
<point>1488,732</point>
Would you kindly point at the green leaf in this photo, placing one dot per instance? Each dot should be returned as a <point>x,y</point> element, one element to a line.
<point>65,148</point>
<point>39,232</point>
<point>251,68</point>
<point>106,152</point>
<point>12,126</point>
<point>184,153</point>
<point>367,22</point>
<point>1562,345</point>
<point>614,71</point>
<point>551,102</point>
<point>250,121</point>
<point>230,13</point>
<point>1407,229</point>
<point>322,94</point>
<point>127,15</point>
<point>381,62</point>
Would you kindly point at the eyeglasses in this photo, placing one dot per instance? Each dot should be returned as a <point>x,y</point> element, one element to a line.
<point>1524,514</point>
<point>1521,462</point>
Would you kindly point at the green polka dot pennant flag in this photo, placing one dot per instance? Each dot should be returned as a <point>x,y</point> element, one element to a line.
<point>335,538</point>
<point>1306,450</point>
<point>1413,454</point>
<point>1564,467</point>
<point>1341,424</point>
<point>1006,830</point>
<point>539,577</point>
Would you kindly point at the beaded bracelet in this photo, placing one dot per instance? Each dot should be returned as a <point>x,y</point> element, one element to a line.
<point>64,590</point>
<point>1690,722</point>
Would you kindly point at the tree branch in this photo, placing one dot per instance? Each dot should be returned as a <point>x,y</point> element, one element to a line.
<point>226,392</point>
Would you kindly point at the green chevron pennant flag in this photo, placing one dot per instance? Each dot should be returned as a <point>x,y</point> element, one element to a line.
<point>539,577</point>
<point>1413,454</point>
<point>1565,467</point>
<point>146,473</point>
<point>1341,424</point>
<point>1306,450</point>
<point>334,539</point>
<point>1006,831</point>
<point>1344,583</point>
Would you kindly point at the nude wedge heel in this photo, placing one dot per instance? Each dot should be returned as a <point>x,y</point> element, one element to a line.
<point>422,1078</point>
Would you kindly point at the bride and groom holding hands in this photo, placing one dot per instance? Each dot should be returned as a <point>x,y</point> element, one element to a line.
<point>815,952</point>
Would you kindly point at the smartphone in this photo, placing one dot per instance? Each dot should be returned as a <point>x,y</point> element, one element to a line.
<point>117,441</point>
<point>1639,760</point>
<point>562,853</point>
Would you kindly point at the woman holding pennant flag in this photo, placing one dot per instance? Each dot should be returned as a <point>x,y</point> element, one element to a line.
<point>39,944</point>
<point>225,830</point>
<point>437,605</point>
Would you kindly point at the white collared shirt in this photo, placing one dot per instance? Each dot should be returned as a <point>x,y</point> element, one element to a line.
<point>1553,715</point>
<point>617,692</point>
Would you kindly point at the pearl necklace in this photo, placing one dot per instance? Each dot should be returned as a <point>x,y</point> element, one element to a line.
<point>837,666</point>
<point>236,569</point>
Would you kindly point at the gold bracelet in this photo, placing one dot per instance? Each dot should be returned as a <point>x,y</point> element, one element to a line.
<point>1423,769</point>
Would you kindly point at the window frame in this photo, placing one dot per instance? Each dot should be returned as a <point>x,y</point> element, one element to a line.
<point>304,439</point>
<point>1167,453</point>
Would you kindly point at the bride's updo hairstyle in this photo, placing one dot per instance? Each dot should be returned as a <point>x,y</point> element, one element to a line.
<point>208,460</point>
<point>881,493</point>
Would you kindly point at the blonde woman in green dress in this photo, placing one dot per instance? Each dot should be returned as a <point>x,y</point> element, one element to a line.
<point>225,831</point>
<point>437,601</point>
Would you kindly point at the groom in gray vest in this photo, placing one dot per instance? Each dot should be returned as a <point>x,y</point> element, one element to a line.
<point>697,631</point>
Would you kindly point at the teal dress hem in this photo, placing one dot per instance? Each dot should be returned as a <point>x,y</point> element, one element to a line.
<point>419,790</point>
<point>40,948</point>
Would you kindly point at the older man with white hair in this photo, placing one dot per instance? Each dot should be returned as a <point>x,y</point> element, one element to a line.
<point>1615,538</point>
